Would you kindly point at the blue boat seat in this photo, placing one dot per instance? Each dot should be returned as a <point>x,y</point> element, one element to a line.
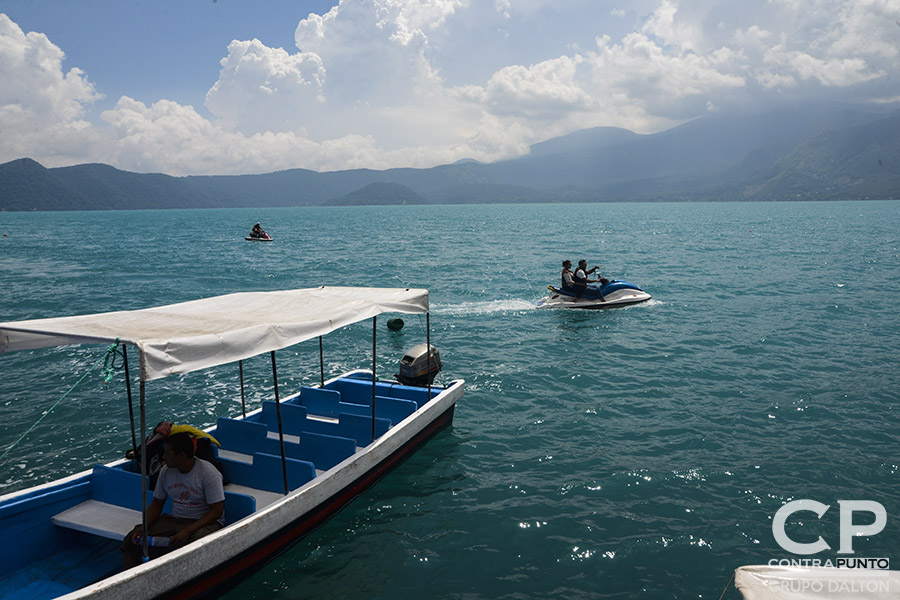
<point>419,395</point>
<point>265,473</point>
<point>295,421</point>
<point>249,437</point>
<point>331,403</point>
<point>359,391</point>
<point>123,488</point>
<point>357,427</point>
<point>319,401</point>
<point>115,505</point>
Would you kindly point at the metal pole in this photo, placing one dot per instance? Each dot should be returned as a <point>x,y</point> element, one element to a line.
<point>145,549</point>
<point>428,378</point>
<point>241,371</point>
<point>321,364</point>
<point>374,319</point>
<point>130,403</point>
<point>280,431</point>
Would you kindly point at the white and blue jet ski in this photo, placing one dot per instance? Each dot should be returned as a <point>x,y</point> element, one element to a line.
<point>608,295</point>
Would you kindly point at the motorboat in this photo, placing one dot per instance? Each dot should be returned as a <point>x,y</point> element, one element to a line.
<point>288,465</point>
<point>611,294</point>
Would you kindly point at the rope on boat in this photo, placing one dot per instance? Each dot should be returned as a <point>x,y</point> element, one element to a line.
<point>108,375</point>
<point>109,362</point>
<point>727,585</point>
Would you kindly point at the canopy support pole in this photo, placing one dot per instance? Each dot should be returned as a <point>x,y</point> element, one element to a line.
<point>130,403</point>
<point>280,431</point>
<point>374,319</point>
<point>145,548</point>
<point>321,364</point>
<point>428,378</point>
<point>241,372</point>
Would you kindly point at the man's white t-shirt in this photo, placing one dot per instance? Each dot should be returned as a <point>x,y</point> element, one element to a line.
<point>191,492</point>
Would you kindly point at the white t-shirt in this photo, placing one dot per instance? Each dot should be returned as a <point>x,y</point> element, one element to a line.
<point>567,278</point>
<point>191,492</point>
<point>580,274</point>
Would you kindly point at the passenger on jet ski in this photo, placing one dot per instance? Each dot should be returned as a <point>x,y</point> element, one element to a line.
<point>568,277</point>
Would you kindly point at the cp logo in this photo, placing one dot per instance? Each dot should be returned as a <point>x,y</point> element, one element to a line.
<point>848,529</point>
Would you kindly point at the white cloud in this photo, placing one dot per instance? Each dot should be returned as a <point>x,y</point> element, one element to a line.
<point>369,84</point>
<point>544,90</point>
<point>175,139</point>
<point>261,89</point>
<point>662,25</point>
<point>41,107</point>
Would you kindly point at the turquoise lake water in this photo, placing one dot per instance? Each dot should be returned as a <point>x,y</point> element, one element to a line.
<point>634,452</point>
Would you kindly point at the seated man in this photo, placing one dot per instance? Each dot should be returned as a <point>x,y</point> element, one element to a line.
<point>581,281</point>
<point>198,501</point>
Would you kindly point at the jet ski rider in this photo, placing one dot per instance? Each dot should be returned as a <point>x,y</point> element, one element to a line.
<point>581,274</point>
<point>568,278</point>
<point>581,280</point>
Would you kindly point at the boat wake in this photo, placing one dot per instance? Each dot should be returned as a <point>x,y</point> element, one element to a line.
<point>485,307</point>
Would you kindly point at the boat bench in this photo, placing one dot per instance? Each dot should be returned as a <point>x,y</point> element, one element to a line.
<point>115,505</point>
<point>359,391</point>
<point>249,438</point>
<point>331,403</point>
<point>418,395</point>
<point>266,472</point>
<point>295,421</point>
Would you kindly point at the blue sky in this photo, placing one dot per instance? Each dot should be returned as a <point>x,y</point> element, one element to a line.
<point>202,87</point>
<point>155,49</point>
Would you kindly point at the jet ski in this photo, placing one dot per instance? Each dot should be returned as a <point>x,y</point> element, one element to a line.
<point>607,295</point>
<point>258,235</point>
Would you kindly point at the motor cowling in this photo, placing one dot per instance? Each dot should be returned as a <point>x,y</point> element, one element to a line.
<point>414,366</point>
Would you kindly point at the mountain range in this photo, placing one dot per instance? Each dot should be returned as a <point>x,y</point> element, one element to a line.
<point>809,154</point>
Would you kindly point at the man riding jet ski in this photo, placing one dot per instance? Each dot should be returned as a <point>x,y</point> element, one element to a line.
<point>577,291</point>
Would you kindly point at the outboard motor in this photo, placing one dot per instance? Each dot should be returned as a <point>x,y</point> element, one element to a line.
<point>414,366</point>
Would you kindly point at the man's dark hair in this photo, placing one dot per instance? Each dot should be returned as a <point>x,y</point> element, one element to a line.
<point>181,443</point>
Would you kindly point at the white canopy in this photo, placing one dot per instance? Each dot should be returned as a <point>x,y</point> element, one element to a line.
<point>763,582</point>
<point>185,337</point>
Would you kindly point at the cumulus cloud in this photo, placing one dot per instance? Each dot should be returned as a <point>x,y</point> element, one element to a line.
<point>41,107</point>
<point>381,83</point>
<point>260,89</point>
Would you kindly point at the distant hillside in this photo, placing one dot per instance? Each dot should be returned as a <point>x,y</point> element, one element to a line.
<point>379,193</point>
<point>787,155</point>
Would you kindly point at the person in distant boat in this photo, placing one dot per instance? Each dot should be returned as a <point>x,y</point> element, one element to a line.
<point>568,277</point>
<point>198,502</point>
<point>257,231</point>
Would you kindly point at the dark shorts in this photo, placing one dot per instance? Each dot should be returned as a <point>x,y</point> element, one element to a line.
<point>166,526</point>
